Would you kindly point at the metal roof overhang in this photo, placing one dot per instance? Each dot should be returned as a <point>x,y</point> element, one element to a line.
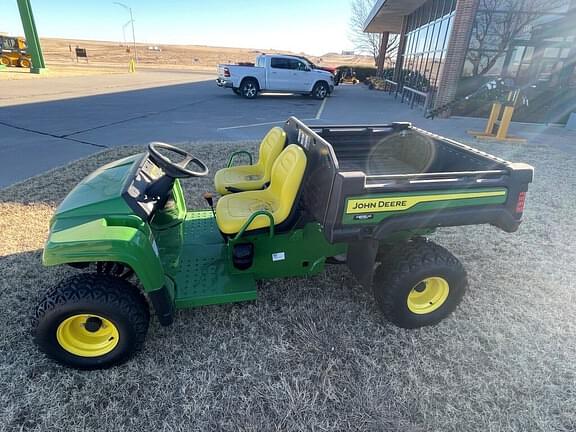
<point>386,15</point>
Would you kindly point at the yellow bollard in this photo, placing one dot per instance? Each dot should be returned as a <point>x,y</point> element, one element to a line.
<point>494,114</point>
<point>501,133</point>
<point>132,66</point>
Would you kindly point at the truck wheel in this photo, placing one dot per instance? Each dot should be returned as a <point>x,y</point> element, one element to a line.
<point>4,60</point>
<point>320,90</point>
<point>249,88</point>
<point>419,283</point>
<point>91,321</point>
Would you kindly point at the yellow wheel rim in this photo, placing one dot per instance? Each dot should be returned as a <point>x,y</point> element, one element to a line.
<point>87,335</point>
<point>428,295</point>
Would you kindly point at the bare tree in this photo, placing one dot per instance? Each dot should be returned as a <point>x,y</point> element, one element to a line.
<point>367,43</point>
<point>392,49</point>
<point>498,23</point>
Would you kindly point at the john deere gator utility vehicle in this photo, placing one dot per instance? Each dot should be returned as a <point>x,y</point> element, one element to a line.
<point>364,196</point>
<point>13,52</point>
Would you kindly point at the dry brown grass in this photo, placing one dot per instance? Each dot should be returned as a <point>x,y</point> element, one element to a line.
<point>105,52</point>
<point>112,57</point>
<point>315,354</point>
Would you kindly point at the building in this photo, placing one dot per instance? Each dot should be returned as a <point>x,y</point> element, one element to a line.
<point>449,48</point>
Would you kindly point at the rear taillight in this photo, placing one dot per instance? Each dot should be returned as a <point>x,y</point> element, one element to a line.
<point>521,202</point>
<point>227,72</point>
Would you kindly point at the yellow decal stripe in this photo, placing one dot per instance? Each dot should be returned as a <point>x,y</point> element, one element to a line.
<point>401,203</point>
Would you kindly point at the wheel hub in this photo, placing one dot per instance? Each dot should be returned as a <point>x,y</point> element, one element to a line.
<point>250,90</point>
<point>93,324</point>
<point>428,295</point>
<point>87,335</point>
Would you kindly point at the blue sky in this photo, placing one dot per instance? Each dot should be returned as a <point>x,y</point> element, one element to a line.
<point>311,26</point>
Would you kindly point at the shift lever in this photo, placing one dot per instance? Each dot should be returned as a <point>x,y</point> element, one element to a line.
<point>210,200</point>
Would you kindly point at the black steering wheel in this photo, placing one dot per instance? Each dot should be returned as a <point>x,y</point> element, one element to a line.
<point>176,169</point>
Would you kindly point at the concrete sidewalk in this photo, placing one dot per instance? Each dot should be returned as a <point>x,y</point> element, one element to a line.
<point>356,104</point>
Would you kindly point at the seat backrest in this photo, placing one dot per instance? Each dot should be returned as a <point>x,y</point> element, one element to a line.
<point>286,178</point>
<point>270,147</point>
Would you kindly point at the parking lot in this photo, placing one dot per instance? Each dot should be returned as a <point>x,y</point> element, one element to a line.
<point>47,123</point>
<point>51,121</point>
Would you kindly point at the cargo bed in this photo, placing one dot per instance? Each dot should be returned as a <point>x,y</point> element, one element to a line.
<point>369,181</point>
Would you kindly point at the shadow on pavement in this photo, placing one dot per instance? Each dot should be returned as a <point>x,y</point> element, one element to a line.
<point>35,137</point>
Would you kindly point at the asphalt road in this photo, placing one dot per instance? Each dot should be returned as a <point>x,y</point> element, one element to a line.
<point>46,123</point>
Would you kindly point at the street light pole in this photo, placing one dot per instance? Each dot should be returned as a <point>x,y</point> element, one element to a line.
<point>133,36</point>
<point>129,9</point>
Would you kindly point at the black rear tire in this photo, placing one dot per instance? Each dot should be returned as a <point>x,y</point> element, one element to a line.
<point>62,327</point>
<point>320,90</point>
<point>407,271</point>
<point>249,88</point>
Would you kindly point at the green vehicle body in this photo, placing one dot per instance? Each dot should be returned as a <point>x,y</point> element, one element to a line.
<point>94,224</point>
<point>182,260</point>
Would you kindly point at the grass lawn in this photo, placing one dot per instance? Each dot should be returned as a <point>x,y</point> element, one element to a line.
<point>315,354</point>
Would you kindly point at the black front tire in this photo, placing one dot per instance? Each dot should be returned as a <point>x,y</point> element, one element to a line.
<point>403,270</point>
<point>114,301</point>
<point>320,90</point>
<point>249,88</point>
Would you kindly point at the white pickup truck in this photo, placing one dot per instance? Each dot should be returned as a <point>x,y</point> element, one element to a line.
<point>276,73</point>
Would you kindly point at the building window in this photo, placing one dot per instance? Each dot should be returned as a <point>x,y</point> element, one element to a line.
<point>427,33</point>
<point>530,43</point>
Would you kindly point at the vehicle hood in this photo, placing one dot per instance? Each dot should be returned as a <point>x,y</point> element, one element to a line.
<point>99,194</point>
<point>325,73</point>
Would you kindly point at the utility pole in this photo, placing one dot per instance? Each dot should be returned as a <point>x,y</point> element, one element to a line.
<point>129,9</point>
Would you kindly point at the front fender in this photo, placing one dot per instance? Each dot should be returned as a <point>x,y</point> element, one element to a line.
<point>102,240</point>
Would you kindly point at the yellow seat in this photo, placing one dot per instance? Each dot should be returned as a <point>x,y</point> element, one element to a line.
<point>252,177</point>
<point>232,211</point>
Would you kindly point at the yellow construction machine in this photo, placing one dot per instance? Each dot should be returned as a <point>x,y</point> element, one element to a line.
<point>13,52</point>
